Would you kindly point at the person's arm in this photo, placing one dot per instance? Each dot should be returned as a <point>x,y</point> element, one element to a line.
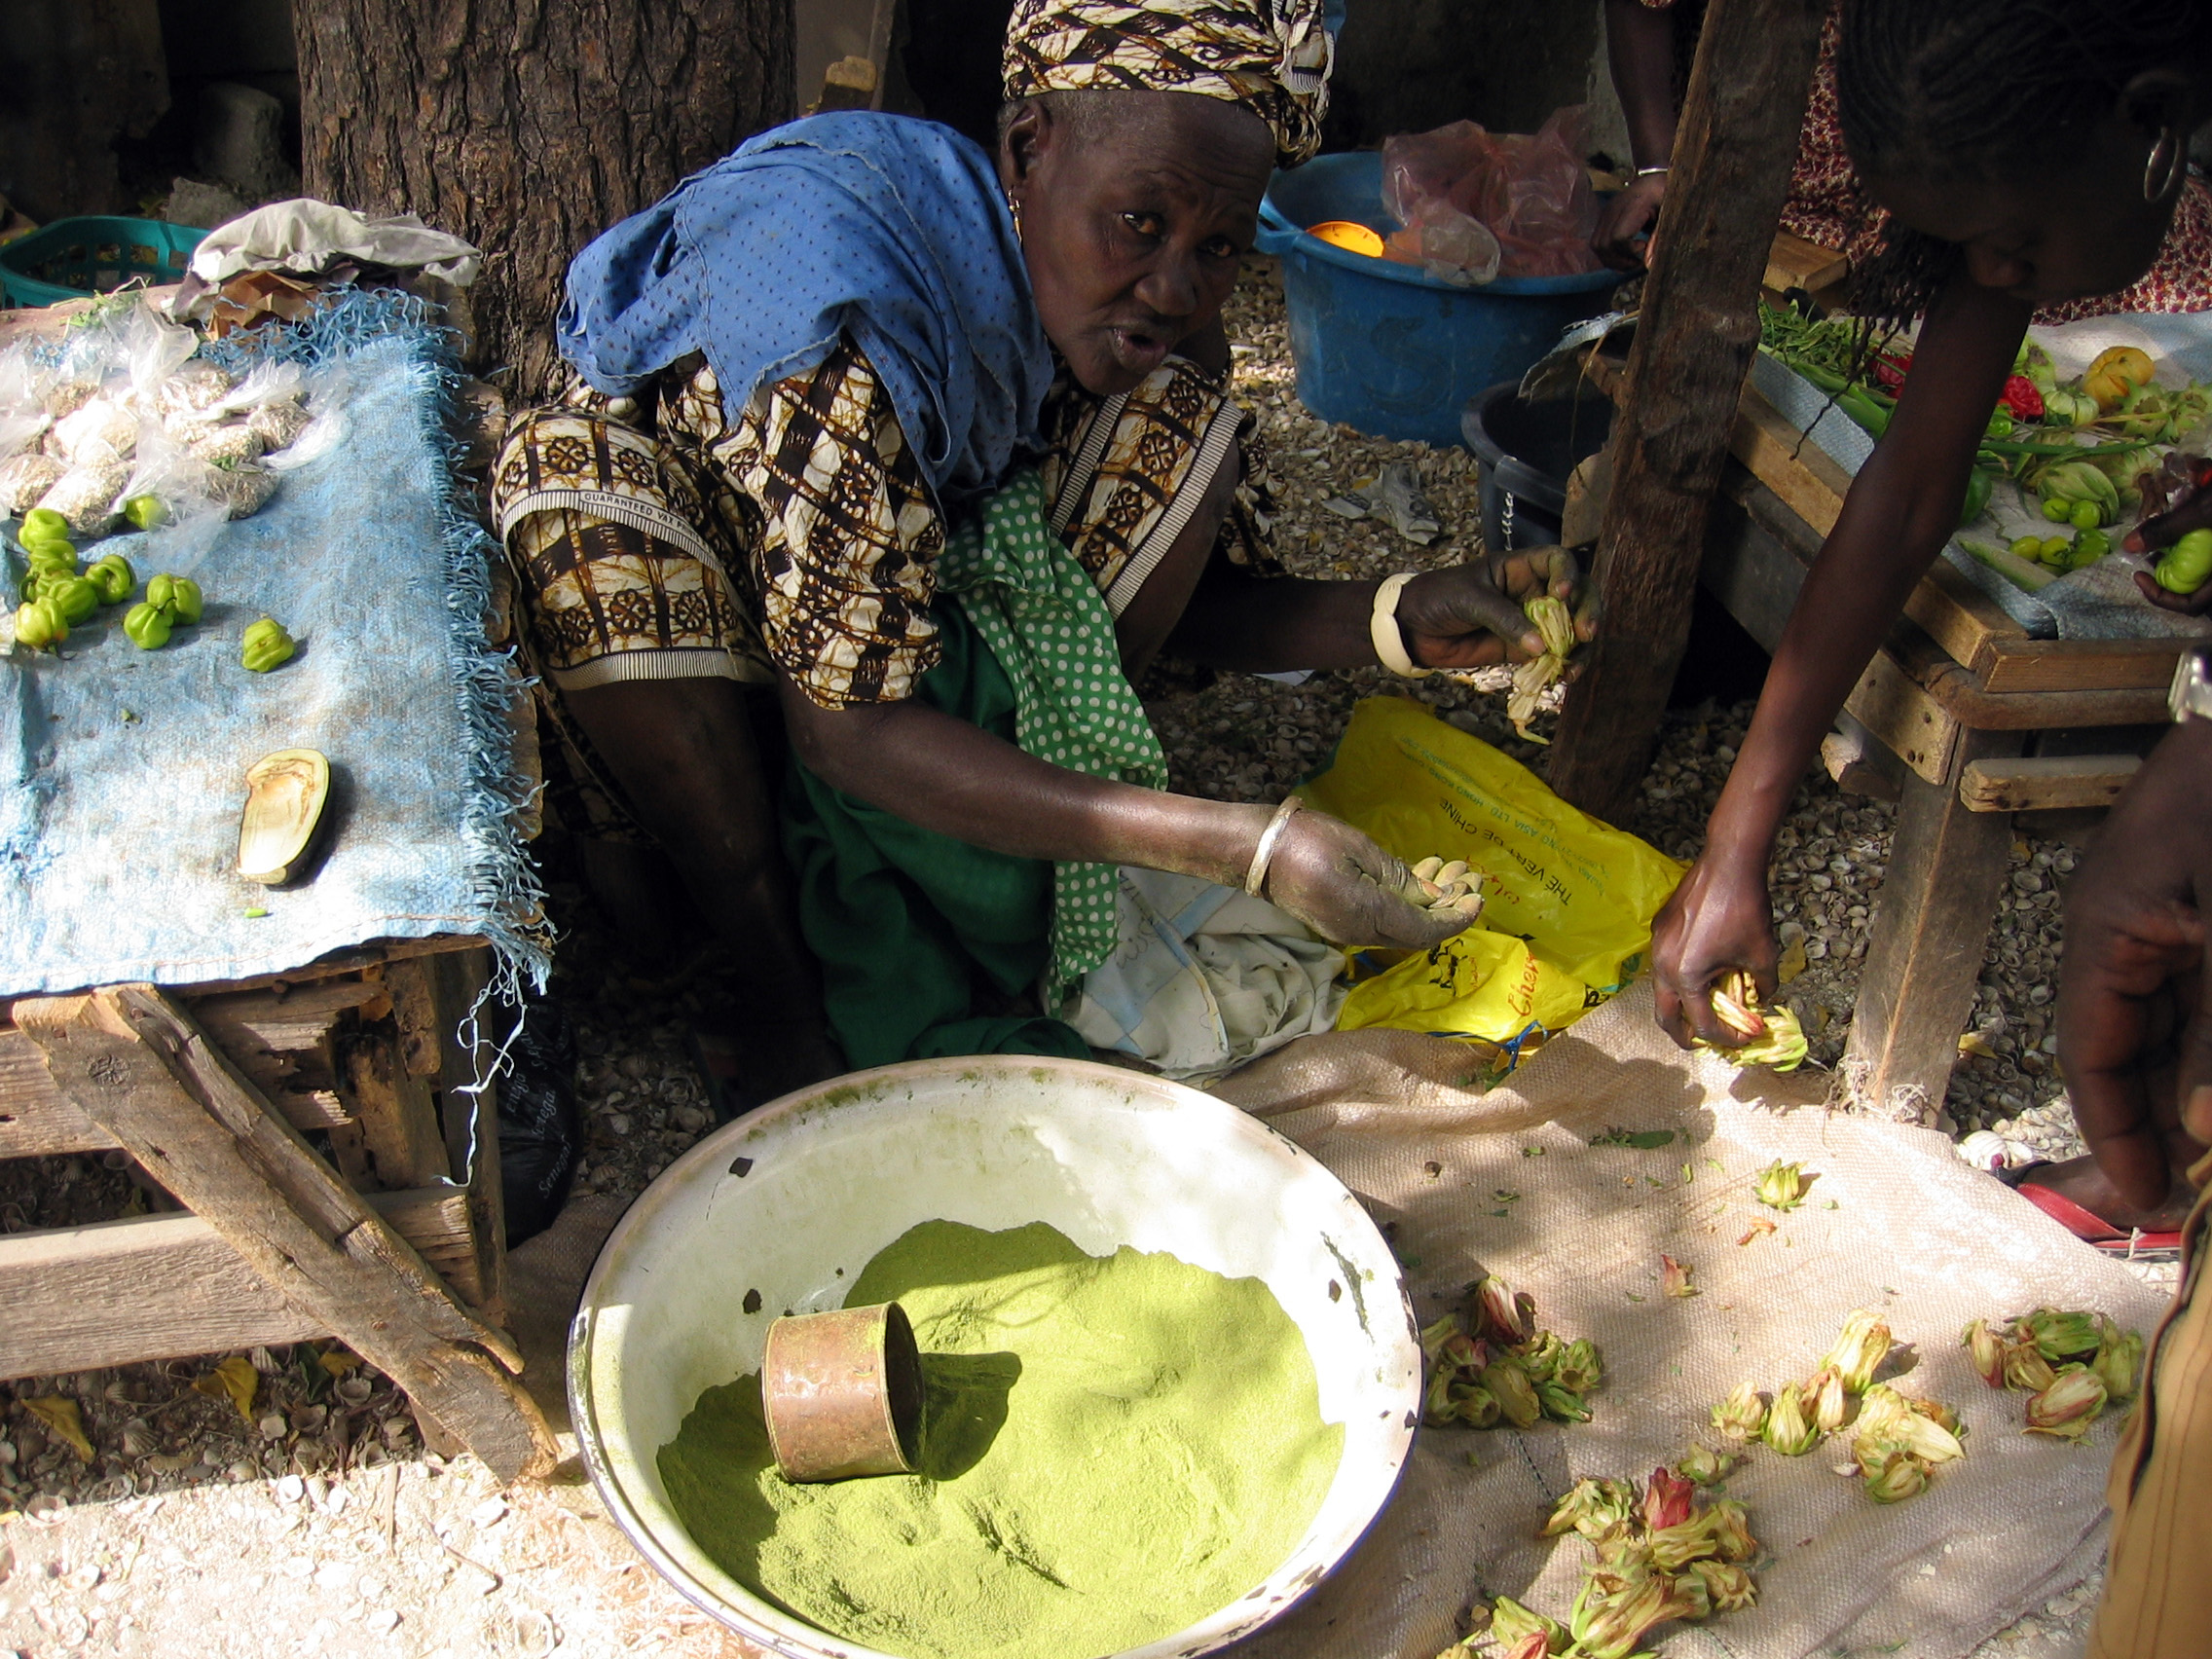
<point>946,775</point>
<point>1465,616</point>
<point>1900,510</point>
<point>2134,1035</point>
<point>1639,49</point>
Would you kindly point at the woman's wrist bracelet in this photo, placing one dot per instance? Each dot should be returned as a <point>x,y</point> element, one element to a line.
<point>1382,629</point>
<point>1256,877</point>
<point>1652,172</point>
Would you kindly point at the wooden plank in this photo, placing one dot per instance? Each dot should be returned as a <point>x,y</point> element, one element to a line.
<point>1694,341</point>
<point>1899,712</point>
<point>1937,899</point>
<point>1787,462</point>
<point>154,1287</point>
<point>36,1120</point>
<point>1958,615</point>
<point>2075,665</point>
<point>396,1113</point>
<point>171,1287</point>
<point>1797,261</point>
<point>138,1065</point>
<point>2046,784</point>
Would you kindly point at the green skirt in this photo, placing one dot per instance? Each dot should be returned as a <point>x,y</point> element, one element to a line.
<point>924,939</point>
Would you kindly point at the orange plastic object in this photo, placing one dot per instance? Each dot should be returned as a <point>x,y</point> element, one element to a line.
<point>1352,238</point>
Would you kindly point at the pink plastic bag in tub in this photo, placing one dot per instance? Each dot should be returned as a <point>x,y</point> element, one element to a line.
<point>1530,192</point>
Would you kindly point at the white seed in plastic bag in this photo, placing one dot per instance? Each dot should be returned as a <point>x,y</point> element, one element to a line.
<point>192,389</point>
<point>24,478</point>
<point>279,421</point>
<point>226,445</point>
<point>85,495</point>
<point>100,421</point>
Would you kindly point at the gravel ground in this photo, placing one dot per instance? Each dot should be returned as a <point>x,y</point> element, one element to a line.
<point>322,1508</point>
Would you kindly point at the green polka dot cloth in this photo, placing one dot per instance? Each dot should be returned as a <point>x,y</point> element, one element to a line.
<point>1047,624</point>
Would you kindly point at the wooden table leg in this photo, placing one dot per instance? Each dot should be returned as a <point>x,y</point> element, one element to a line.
<point>1931,926</point>
<point>138,1066</point>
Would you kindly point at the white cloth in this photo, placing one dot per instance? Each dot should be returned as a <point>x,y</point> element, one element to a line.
<point>1204,977</point>
<point>306,237</point>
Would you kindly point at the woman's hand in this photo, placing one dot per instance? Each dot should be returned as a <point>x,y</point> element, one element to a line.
<point>1348,890</point>
<point>1631,213</point>
<point>1720,919</point>
<point>1473,615</point>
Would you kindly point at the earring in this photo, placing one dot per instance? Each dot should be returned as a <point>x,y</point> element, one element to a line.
<point>2164,167</point>
<point>1014,209</point>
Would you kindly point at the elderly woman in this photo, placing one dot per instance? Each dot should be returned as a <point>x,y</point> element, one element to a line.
<point>941,450</point>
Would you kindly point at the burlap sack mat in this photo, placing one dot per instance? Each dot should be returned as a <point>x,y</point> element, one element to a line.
<point>1507,1181</point>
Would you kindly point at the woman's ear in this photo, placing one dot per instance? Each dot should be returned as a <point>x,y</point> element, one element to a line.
<point>1024,138</point>
<point>2161,101</point>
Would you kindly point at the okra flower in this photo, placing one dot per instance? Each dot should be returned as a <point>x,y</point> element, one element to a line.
<point>2069,1406</point>
<point>1988,1350</point>
<point>1742,1415</point>
<point>2117,1362</point>
<point>1859,1349</point>
<point>1591,1508</point>
<point>1788,1430</point>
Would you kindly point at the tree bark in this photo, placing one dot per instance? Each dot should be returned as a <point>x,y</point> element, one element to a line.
<point>529,127</point>
<point>1732,160</point>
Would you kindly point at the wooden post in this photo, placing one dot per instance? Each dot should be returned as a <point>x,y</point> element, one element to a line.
<point>1930,927</point>
<point>1700,326</point>
<point>134,1063</point>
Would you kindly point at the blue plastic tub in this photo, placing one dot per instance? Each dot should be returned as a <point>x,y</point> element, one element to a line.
<point>74,259</point>
<point>1385,348</point>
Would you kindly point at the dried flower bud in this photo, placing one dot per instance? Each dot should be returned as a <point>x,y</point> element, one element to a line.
<point>1561,1405</point>
<point>2117,1363</point>
<point>1611,1623</point>
<point>2060,1335</point>
<point>1462,1352</point>
<point>1667,1500</point>
<point>1859,1349</point>
<point>1591,1508</point>
<point>1780,1186</point>
<point>1539,1356</point>
<point>1788,1430</point>
<point>1534,1646</point>
<point>1500,1316</point>
<point>1742,1415</point>
<point>1692,1590</point>
<point>1433,1339</point>
<point>1578,1367</point>
<point>1437,1404</point>
<point>1881,1408</point>
<point>1674,1279</point>
<point>1513,1624</point>
<point>1927,1439</point>
<point>1475,1405</point>
<point>1515,1394</point>
<point>2026,1368</point>
<point>2069,1406</point>
<point>1736,1001</point>
<point>1728,1586</point>
<point>1703,1466</point>
<point>1988,1350</point>
<point>1826,1401</point>
<point>1898,1476</point>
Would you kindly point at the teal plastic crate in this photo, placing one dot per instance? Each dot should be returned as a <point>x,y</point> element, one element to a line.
<point>74,259</point>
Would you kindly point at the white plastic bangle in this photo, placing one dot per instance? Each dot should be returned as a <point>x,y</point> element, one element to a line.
<point>1256,877</point>
<point>1382,629</point>
<point>1652,172</point>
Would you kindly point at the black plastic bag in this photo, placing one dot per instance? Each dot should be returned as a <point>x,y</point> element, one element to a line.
<point>541,1135</point>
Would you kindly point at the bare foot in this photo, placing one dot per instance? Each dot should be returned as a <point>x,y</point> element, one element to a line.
<point>2081,1181</point>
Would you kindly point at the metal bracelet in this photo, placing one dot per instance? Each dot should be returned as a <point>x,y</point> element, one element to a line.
<point>1256,877</point>
<point>1652,172</point>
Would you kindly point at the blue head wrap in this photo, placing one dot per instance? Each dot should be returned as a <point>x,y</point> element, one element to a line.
<point>890,230</point>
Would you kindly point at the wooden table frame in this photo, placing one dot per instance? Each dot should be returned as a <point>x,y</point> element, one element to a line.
<point>1964,719</point>
<point>392,1243</point>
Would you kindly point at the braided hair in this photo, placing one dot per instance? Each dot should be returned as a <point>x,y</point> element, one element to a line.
<point>1938,89</point>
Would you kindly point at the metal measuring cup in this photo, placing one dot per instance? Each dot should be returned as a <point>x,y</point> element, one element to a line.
<point>842,1393</point>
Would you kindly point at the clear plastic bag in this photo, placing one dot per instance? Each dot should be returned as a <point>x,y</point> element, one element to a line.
<point>1530,191</point>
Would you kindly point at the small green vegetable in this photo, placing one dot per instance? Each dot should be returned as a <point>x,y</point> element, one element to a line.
<point>179,594</point>
<point>2187,564</point>
<point>2088,547</point>
<point>2059,512</point>
<point>39,625</point>
<point>1978,486</point>
<point>2029,577</point>
<point>147,626</point>
<point>145,511</point>
<point>113,577</point>
<point>2028,547</point>
<point>42,522</point>
<point>254,912</point>
<point>267,645</point>
<point>73,596</point>
<point>2055,549</point>
<point>2085,515</point>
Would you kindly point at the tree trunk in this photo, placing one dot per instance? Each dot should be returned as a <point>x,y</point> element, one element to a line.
<point>528,129</point>
<point>1732,160</point>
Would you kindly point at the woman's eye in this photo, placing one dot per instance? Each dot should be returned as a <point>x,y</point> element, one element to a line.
<point>1144,224</point>
<point>1221,248</point>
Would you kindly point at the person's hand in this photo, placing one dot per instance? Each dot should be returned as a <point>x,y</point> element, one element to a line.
<point>1473,615</point>
<point>2134,1034</point>
<point>1348,890</point>
<point>1718,920</point>
<point>1626,217</point>
<point>2176,500</point>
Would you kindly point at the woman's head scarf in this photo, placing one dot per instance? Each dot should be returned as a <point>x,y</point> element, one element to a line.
<point>1273,56</point>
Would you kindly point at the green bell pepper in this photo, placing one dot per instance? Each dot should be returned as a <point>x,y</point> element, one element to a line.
<point>42,522</point>
<point>73,596</point>
<point>145,511</point>
<point>113,576</point>
<point>147,626</point>
<point>267,645</point>
<point>179,595</point>
<point>2185,567</point>
<point>39,625</point>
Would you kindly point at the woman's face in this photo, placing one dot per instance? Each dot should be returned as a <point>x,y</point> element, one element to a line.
<point>2081,231</point>
<point>1135,213</point>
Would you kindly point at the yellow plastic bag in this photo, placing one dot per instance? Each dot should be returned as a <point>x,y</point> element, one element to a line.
<point>1568,901</point>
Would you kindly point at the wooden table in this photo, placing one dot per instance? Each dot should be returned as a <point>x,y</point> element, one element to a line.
<point>339,1176</point>
<point>1963,719</point>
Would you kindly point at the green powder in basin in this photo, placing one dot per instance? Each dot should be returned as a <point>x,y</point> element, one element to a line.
<point>1112,1450</point>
